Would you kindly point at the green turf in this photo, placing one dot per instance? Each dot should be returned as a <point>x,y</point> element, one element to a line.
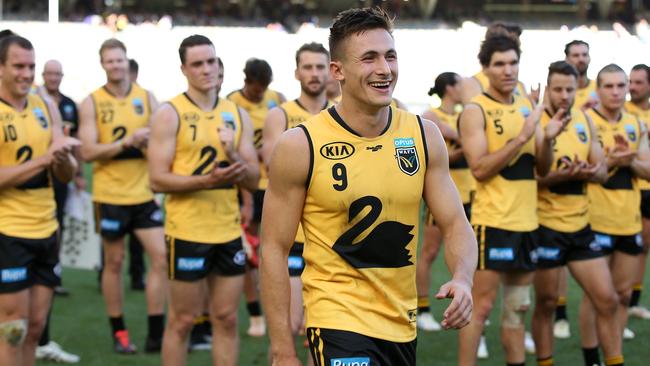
<point>79,324</point>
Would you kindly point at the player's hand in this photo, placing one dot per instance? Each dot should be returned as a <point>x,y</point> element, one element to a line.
<point>246,213</point>
<point>530,125</point>
<point>139,138</point>
<point>227,137</point>
<point>592,102</point>
<point>556,125</point>
<point>588,171</point>
<point>60,148</point>
<point>621,158</point>
<point>231,174</point>
<point>534,93</point>
<point>459,312</point>
<point>286,361</point>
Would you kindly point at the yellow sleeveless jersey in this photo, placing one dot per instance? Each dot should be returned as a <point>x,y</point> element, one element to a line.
<point>565,206</point>
<point>361,218</point>
<point>28,210</point>
<point>483,80</point>
<point>296,114</point>
<point>122,180</point>
<point>643,116</point>
<point>211,215</point>
<point>258,112</point>
<point>615,204</point>
<point>585,94</point>
<point>459,170</point>
<point>507,201</point>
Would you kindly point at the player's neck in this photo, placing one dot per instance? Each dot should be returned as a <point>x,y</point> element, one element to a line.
<point>119,89</point>
<point>248,97</point>
<point>367,121</point>
<point>611,115</point>
<point>447,105</point>
<point>643,104</point>
<point>312,104</point>
<point>499,96</point>
<point>583,81</point>
<point>17,102</point>
<point>54,94</point>
<point>204,100</point>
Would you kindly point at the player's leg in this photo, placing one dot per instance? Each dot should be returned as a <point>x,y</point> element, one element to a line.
<point>561,328</point>
<point>624,267</point>
<point>184,304</point>
<point>224,294</point>
<point>596,281</point>
<point>515,304</point>
<point>484,293</point>
<point>431,240</point>
<point>136,263</point>
<point>546,294</point>
<point>112,276</point>
<point>257,327</point>
<point>636,309</point>
<point>14,312</point>
<point>40,298</point>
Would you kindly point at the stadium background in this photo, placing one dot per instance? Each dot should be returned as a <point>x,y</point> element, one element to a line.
<point>431,37</point>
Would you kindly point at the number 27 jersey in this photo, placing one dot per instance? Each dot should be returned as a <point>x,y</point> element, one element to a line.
<point>361,224</point>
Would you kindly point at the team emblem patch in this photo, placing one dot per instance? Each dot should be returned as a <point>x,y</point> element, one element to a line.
<point>40,116</point>
<point>525,111</point>
<point>138,106</point>
<point>582,132</point>
<point>271,104</point>
<point>228,120</point>
<point>406,155</point>
<point>68,112</point>
<point>631,132</point>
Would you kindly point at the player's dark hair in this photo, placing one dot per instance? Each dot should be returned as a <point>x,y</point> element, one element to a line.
<point>6,33</point>
<point>258,71</point>
<point>575,42</point>
<point>442,81</point>
<point>133,66</point>
<point>611,68</point>
<point>109,44</point>
<point>356,21</point>
<point>563,68</point>
<point>220,62</point>
<point>311,47</point>
<point>643,67</point>
<point>6,42</point>
<point>496,44</point>
<point>511,30</point>
<point>191,41</point>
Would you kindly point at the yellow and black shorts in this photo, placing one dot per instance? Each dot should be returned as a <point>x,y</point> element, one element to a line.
<point>558,248</point>
<point>505,250</point>
<point>332,347</point>
<point>115,221</point>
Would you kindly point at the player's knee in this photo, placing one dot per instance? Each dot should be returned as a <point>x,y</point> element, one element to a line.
<point>13,332</point>
<point>482,309</point>
<point>546,302</point>
<point>114,262</point>
<point>181,323</point>
<point>226,321</point>
<point>624,296</point>
<point>516,301</point>
<point>606,303</point>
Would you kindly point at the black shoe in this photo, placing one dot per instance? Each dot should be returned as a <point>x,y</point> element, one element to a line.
<point>137,285</point>
<point>61,291</point>
<point>152,345</point>
<point>199,342</point>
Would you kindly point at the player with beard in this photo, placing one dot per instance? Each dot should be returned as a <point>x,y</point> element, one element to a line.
<point>639,106</point>
<point>577,54</point>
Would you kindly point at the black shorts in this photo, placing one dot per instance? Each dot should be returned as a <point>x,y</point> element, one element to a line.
<point>191,261</point>
<point>557,248</point>
<point>27,262</point>
<point>645,204</point>
<point>467,207</point>
<point>628,244</point>
<point>296,262</point>
<point>258,202</point>
<point>505,250</point>
<point>115,221</point>
<point>331,347</point>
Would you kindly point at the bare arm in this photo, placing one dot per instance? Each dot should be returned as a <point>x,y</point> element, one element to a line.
<point>444,202</point>
<point>282,97</point>
<point>91,149</point>
<point>469,89</point>
<point>596,156</point>
<point>64,165</point>
<point>447,132</point>
<point>153,102</point>
<point>247,154</point>
<point>283,203</point>
<point>274,125</point>
<point>16,175</point>
<point>484,165</point>
<point>641,163</point>
<point>544,152</point>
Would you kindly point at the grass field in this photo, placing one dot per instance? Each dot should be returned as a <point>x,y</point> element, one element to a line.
<point>79,323</point>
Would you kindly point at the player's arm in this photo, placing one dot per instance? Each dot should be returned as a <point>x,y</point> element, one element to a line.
<point>281,97</point>
<point>483,164</point>
<point>469,89</point>
<point>64,165</point>
<point>283,203</point>
<point>274,125</point>
<point>91,149</point>
<point>443,200</point>
<point>641,163</point>
<point>153,103</point>
<point>597,160</point>
<point>447,132</point>
<point>247,155</point>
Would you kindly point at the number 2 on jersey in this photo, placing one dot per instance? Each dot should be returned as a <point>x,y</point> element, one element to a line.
<point>208,153</point>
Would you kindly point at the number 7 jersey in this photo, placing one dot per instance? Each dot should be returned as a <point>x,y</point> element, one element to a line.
<point>361,218</point>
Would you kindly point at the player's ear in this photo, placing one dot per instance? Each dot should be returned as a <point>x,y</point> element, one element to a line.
<point>183,69</point>
<point>336,70</point>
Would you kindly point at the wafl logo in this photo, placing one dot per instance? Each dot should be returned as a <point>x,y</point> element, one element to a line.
<point>406,155</point>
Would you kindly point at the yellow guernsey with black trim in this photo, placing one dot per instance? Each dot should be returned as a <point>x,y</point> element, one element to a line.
<point>28,210</point>
<point>642,115</point>
<point>459,170</point>
<point>207,216</point>
<point>257,112</point>
<point>361,218</point>
<point>615,204</point>
<point>483,80</point>
<point>507,201</point>
<point>122,180</point>
<point>565,206</point>
<point>583,95</point>
<point>296,114</point>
